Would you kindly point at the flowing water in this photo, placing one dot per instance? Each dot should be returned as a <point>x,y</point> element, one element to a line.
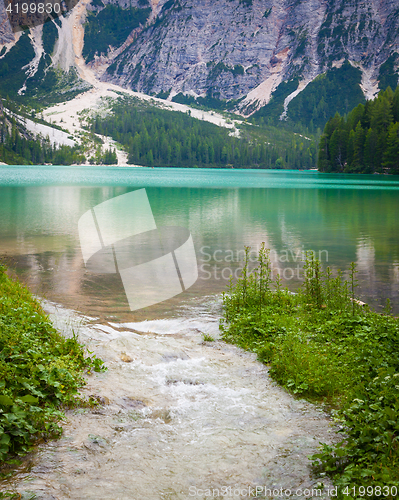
<point>179,417</point>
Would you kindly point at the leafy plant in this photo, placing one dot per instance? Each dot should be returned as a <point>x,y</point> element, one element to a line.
<point>40,371</point>
<point>322,345</point>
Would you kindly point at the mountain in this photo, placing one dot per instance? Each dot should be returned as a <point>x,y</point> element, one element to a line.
<point>240,47</point>
<point>300,60</point>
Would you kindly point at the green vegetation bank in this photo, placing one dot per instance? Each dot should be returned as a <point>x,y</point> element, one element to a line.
<point>40,371</point>
<point>321,344</point>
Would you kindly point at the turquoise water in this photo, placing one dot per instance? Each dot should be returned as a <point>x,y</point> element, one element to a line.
<point>343,218</point>
<point>189,177</point>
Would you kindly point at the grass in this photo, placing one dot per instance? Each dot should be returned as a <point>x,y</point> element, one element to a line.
<point>321,344</point>
<point>208,338</point>
<point>40,371</point>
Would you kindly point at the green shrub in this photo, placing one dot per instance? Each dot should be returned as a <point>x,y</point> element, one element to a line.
<point>322,344</point>
<point>40,370</point>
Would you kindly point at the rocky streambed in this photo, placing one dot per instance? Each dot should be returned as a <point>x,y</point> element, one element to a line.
<point>178,418</point>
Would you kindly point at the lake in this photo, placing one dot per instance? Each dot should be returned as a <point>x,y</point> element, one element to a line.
<point>180,414</point>
<point>343,218</point>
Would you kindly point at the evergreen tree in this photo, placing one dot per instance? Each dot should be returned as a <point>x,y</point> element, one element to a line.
<point>391,154</point>
<point>395,105</point>
<point>358,148</point>
<point>381,115</point>
<point>366,141</point>
<point>370,148</point>
<point>338,150</point>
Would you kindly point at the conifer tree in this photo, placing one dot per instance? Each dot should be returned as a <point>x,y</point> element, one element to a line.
<point>367,141</point>
<point>391,154</point>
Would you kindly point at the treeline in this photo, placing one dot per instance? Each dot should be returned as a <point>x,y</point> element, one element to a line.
<point>157,137</point>
<point>17,148</point>
<point>367,141</point>
<point>108,157</point>
<point>336,90</point>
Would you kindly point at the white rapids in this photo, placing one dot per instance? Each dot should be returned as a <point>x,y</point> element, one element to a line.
<point>179,418</point>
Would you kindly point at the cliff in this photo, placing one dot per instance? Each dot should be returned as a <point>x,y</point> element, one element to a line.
<point>234,49</point>
<point>242,51</point>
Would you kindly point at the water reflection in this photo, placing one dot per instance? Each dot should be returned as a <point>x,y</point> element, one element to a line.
<point>39,237</point>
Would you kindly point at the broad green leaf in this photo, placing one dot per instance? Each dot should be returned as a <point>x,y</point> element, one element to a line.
<point>6,401</point>
<point>5,439</point>
<point>29,399</point>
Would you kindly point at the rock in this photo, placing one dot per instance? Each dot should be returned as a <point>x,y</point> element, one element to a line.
<point>103,400</point>
<point>96,443</point>
<point>125,358</point>
<point>130,403</point>
<point>123,427</point>
<point>173,356</point>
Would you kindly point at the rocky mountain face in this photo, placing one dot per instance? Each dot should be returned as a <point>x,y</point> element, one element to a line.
<point>237,49</point>
<point>244,51</point>
<point>6,34</point>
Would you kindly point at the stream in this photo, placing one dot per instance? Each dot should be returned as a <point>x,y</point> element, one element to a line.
<point>178,418</point>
